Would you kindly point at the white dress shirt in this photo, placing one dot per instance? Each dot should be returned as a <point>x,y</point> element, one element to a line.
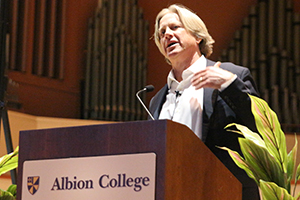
<point>184,104</point>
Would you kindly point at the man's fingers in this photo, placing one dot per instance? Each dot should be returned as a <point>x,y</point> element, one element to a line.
<point>218,64</point>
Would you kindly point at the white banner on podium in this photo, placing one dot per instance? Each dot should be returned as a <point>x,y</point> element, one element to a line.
<point>117,177</point>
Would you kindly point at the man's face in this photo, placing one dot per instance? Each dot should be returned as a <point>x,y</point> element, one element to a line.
<point>175,40</point>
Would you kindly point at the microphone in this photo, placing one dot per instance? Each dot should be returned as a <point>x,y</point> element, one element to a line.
<point>178,93</point>
<point>148,88</point>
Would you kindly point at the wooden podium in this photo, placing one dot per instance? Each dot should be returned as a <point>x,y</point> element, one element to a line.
<point>185,168</point>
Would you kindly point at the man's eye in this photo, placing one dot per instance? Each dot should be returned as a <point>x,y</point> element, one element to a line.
<point>162,32</point>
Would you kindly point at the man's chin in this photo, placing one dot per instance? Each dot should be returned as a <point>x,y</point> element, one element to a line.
<point>173,53</point>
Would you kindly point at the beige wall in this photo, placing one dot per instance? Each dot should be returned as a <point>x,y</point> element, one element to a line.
<point>20,121</point>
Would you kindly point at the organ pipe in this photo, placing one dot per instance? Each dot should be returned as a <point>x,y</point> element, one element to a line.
<point>272,54</point>
<point>116,61</point>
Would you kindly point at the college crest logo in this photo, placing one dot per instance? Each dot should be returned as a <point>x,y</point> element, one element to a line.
<point>33,183</point>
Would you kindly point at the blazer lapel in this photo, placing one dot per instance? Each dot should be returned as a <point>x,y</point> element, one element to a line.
<point>208,102</point>
<point>159,101</point>
<point>210,97</point>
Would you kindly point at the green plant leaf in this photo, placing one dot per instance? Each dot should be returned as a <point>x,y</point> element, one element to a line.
<point>296,180</point>
<point>9,161</point>
<point>4,195</point>
<point>269,128</point>
<point>297,174</point>
<point>247,133</point>
<point>264,155</point>
<point>258,158</point>
<point>12,189</point>
<point>9,165</point>
<point>291,163</point>
<point>261,162</point>
<point>271,191</point>
<point>298,196</point>
<point>239,161</point>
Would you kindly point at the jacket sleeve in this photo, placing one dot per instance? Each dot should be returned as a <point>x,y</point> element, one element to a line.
<point>237,98</point>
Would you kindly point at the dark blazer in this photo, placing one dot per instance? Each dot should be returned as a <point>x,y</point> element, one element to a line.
<point>232,105</point>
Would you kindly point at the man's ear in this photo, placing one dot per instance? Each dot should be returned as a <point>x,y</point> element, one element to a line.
<point>198,40</point>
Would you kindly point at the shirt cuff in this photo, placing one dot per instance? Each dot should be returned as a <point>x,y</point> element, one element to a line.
<point>227,83</point>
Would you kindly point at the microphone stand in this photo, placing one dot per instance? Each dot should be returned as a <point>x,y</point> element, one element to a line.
<point>147,89</point>
<point>4,7</point>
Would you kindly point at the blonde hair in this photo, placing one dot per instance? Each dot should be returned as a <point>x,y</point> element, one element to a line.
<point>192,23</point>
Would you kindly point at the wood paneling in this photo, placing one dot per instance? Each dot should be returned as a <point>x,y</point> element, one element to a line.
<point>222,17</point>
<point>50,91</point>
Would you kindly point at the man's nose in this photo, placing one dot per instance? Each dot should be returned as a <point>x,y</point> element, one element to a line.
<point>168,32</point>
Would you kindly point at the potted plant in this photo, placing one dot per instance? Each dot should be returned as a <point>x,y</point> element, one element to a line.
<point>9,162</point>
<point>265,158</point>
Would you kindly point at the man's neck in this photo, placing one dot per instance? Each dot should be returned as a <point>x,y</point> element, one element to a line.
<point>179,67</point>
